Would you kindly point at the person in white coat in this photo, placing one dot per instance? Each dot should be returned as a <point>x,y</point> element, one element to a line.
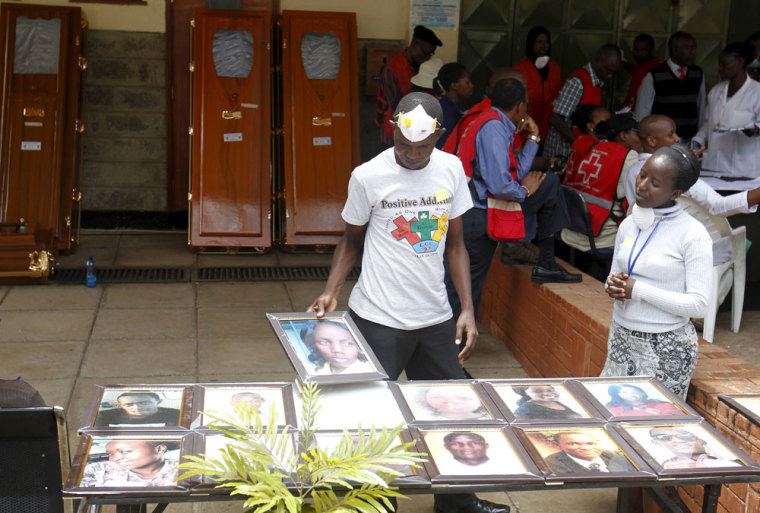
<point>731,126</point>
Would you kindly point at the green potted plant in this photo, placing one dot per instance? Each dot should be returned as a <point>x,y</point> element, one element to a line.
<point>275,475</point>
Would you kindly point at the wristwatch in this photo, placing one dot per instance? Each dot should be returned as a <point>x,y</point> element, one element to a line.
<point>536,139</point>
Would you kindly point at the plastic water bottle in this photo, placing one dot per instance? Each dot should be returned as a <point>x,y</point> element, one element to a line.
<point>92,278</point>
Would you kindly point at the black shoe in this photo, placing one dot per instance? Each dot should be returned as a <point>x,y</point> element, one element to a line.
<point>481,506</point>
<point>543,275</point>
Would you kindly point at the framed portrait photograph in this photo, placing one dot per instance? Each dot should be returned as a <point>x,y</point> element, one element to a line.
<point>630,398</point>
<point>686,449</point>
<point>474,453</point>
<point>356,405</point>
<point>538,401</point>
<point>212,446</point>
<point>140,407</point>
<point>747,404</point>
<point>138,463</point>
<point>326,350</point>
<point>581,453</point>
<point>450,402</point>
<point>328,441</point>
<point>222,398</point>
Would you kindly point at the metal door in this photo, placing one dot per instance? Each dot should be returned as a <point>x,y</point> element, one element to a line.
<point>41,70</point>
<point>230,180</point>
<point>320,127</point>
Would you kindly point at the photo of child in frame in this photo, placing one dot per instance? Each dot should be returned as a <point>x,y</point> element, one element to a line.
<point>326,347</point>
<point>147,408</point>
<point>540,401</point>
<point>444,402</point>
<point>125,462</point>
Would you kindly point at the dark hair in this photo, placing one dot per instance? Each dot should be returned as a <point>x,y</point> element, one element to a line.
<point>617,124</point>
<point>685,163</point>
<point>530,40</point>
<point>755,36</point>
<point>307,335</point>
<point>423,33</point>
<point>508,93</point>
<point>584,115</point>
<point>677,35</point>
<point>448,74</point>
<point>150,394</point>
<point>644,38</point>
<point>469,434</point>
<point>429,102</point>
<point>741,51</point>
<point>614,391</point>
<point>522,391</point>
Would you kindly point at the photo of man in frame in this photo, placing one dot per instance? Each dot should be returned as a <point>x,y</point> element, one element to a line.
<point>572,451</point>
<point>223,400</point>
<point>469,452</point>
<point>131,463</point>
<point>139,407</point>
<point>327,347</point>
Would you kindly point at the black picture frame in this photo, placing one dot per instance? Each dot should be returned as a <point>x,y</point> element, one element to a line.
<point>513,463</point>
<point>290,329</point>
<point>92,473</point>
<point>220,397</point>
<point>747,404</point>
<point>663,404</point>
<point>638,435</point>
<point>551,447</point>
<point>104,406</point>
<point>446,401</point>
<point>508,395</point>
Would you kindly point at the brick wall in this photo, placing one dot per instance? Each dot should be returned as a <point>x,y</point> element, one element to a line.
<point>558,330</point>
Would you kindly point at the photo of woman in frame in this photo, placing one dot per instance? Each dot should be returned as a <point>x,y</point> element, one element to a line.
<point>540,401</point>
<point>326,347</point>
<point>444,402</point>
<point>124,462</point>
<point>685,446</point>
<point>635,398</point>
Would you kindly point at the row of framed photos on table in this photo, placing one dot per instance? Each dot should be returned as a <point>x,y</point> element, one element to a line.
<point>465,454</point>
<point>512,401</point>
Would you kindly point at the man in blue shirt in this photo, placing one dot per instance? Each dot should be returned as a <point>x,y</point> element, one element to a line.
<point>538,193</point>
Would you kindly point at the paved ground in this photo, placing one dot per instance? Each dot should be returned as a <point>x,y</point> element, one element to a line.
<point>66,338</point>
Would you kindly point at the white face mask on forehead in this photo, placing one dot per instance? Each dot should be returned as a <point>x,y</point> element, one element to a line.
<point>416,125</point>
<point>642,217</point>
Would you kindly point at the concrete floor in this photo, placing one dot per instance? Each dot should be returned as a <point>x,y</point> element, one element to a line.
<point>64,339</point>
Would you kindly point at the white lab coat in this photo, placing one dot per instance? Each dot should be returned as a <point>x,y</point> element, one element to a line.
<point>731,153</point>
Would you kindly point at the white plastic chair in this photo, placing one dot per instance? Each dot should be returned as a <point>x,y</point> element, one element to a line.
<point>727,273</point>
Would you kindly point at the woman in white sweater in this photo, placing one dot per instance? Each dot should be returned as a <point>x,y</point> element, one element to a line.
<point>661,276</point>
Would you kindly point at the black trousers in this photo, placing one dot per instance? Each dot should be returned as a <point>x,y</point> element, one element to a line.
<point>425,354</point>
<point>547,204</point>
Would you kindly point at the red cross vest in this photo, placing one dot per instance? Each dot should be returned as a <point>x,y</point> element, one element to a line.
<point>403,72</point>
<point>597,178</point>
<point>467,144</point>
<point>578,151</point>
<point>591,94</point>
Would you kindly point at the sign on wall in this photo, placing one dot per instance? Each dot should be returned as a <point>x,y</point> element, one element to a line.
<point>435,13</point>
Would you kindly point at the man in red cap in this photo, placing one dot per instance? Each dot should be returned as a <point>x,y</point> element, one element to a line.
<point>396,76</point>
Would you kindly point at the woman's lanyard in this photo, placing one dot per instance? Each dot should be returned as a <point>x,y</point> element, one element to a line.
<point>631,265</point>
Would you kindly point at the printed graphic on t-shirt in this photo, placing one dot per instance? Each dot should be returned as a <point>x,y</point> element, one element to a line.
<point>423,232</point>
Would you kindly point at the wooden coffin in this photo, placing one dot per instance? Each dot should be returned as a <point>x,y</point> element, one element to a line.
<point>25,254</point>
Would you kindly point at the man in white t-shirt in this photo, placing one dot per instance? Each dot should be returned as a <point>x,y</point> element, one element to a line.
<point>404,208</point>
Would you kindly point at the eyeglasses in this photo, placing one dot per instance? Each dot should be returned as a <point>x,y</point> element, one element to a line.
<point>686,437</point>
